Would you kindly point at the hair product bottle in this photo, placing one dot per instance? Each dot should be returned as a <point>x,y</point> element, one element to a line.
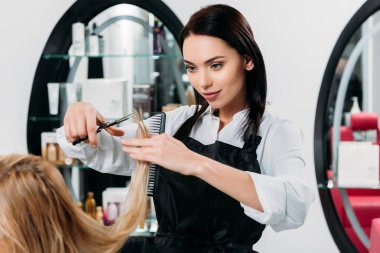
<point>112,213</point>
<point>78,39</point>
<point>93,43</point>
<point>99,214</point>
<point>52,151</point>
<point>90,205</point>
<point>157,49</point>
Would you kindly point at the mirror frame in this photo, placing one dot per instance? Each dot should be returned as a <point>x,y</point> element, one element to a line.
<point>321,126</point>
<point>59,42</point>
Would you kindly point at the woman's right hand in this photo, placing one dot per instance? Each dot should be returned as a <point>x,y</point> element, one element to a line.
<point>82,119</point>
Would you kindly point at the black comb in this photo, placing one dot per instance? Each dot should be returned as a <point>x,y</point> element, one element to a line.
<point>156,126</point>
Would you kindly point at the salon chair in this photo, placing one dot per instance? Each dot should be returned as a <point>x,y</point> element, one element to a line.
<point>374,246</point>
<point>365,202</point>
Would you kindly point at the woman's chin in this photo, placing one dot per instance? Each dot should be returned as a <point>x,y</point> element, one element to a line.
<point>215,105</point>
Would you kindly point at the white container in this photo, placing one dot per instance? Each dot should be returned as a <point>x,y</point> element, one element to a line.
<point>111,97</point>
<point>71,93</point>
<point>47,137</point>
<point>101,44</point>
<point>358,164</point>
<point>114,198</point>
<point>93,45</point>
<point>53,95</point>
<point>78,39</point>
<point>355,106</point>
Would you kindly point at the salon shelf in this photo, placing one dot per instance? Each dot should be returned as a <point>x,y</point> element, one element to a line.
<point>331,184</point>
<point>68,56</point>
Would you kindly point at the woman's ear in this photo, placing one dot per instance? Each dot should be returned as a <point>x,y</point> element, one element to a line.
<point>248,63</point>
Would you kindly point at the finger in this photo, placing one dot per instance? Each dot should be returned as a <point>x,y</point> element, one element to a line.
<point>140,157</point>
<point>139,150</point>
<point>144,156</point>
<point>91,129</point>
<point>66,123</point>
<point>114,131</point>
<point>132,150</point>
<point>73,128</point>
<point>81,125</point>
<point>138,142</point>
<point>100,120</point>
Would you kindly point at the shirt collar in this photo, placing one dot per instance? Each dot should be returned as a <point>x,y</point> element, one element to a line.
<point>210,111</point>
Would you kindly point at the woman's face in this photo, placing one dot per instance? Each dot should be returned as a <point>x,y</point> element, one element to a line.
<point>217,71</point>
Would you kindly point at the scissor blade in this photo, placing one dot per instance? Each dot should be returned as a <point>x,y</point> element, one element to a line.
<point>118,121</point>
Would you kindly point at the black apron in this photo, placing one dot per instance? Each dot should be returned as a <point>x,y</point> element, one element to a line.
<point>195,217</point>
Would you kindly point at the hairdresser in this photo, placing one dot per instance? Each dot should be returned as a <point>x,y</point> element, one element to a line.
<point>231,164</point>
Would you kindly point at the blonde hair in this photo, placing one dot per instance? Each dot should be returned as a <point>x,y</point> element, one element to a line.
<point>37,213</point>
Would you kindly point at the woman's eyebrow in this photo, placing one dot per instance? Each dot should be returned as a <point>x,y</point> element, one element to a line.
<point>207,61</point>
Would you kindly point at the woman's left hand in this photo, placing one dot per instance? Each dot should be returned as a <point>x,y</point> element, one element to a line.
<point>165,151</point>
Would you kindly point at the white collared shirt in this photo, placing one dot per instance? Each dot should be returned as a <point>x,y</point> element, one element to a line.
<point>285,198</point>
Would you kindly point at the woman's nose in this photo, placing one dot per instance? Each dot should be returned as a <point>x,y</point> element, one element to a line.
<point>204,80</point>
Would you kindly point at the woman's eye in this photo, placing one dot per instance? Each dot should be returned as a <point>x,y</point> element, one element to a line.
<point>190,69</point>
<point>216,66</point>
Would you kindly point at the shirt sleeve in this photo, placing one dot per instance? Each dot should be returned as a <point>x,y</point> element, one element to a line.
<point>284,196</point>
<point>107,157</point>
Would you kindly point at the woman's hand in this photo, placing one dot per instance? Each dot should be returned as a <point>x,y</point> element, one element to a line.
<point>165,151</point>
<point>82,119</point>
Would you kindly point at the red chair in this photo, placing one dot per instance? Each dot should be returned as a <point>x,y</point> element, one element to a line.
<point>366,121</point>
<point>374,245</point>
<point>365,202</point>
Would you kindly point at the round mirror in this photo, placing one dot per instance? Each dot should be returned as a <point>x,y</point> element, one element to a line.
<point>346,140</point>
<point>118,55</point>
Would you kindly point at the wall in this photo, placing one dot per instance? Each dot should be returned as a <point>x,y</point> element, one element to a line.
<point>296,38</point>
<point>25,27</point>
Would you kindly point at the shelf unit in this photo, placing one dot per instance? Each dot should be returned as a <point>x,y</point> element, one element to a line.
<point>55,65</point>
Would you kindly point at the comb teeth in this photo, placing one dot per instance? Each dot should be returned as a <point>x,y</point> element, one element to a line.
<point>151,180</point>
<point>156,126</point>
<point>156,123</point>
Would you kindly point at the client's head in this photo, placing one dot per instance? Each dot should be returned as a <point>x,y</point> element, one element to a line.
<point>36,208</point>
<point>37,213</point>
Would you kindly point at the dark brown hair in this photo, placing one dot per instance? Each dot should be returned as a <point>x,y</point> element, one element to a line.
<point>228,24</point>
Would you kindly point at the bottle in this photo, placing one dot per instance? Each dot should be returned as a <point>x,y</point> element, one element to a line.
<point>101,44</point>
<point>78,39</point>
<point>93,43</point>
<point>99,214</point>
<point>355,106</point>
<point>163,38</point>
<point>51,152</point>
<point>90,205</point>
<point>87,34</point>
<point>358,135</point>
<point>354,109</point>
<point>156,38</point>
<point>112,213</point>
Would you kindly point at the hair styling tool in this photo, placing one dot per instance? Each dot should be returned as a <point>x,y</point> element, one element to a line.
<point>104,126</point>
<point>156,126</point>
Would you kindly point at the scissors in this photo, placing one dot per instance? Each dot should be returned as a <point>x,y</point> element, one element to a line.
<point>104,126</point>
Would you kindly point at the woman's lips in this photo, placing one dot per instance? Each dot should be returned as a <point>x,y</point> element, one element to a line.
<point>211,96</point>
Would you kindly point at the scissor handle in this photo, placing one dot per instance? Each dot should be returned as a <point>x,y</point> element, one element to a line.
<point>105,125</point>
<point>100,128</point>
